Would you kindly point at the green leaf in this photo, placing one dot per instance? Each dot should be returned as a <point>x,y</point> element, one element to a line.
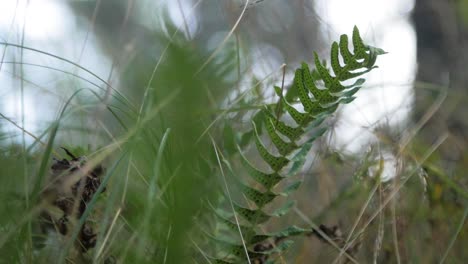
<point>229,140</point>
<point>283,209</point>
<point>351,92</point>
<point>276,163</point>
<point>258,197</point>
<point>292,133</point>
<point>285,233</point>
<point>291,93</point>
<point>291,231</point>
<point>373,53</point>
<point>224,219</point>
<point>299,118</point>
<point>347,100</point>
<point>331,82</point>
<point>281,247</point>
<point>358,82</point>
<point>258,120</point>
<point>303,92</point>
<point>278,91</point>
<point>317,121</point>
<point>320,105</point>
<point>359,47</point>
<point>349,75</point>
<point>335,60</point>
<point>348,58</point>
<point>377,51</point>
<point>233,249</point>
<point>300,157</point>
<point>291,188</point>
<point>267,180</point>
<point>321,95</point>
<point>256,216</point>
<point>258,238</point>
<point>284,148</point>
<point>245,138</point>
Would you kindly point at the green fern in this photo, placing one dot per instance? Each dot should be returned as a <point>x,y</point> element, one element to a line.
<point>318,104</point>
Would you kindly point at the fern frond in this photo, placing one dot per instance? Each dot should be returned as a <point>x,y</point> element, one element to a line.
<point>318,103</point>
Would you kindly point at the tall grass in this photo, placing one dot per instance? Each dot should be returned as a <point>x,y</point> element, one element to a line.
<point>161,141</point>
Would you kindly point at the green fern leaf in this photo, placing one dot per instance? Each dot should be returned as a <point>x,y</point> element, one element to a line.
<point>267,180</point>
<point>276,163</point>
<point>235,250</point>
<point>318,106</point>
<point>359,47</point>
<point>256,216</point>
<point>292,133</point>
<point>335,60</point>
<point>258,197</point>
<point>283,209</point>
<point>280,248</point>
<point>303,93</point>
<point>321,95</point>
<point>224,219</point>
<point>289,231</point>
<point>299,118</point>
<point>291,188</point>
<point>284,148</point>
<point>348,57</point>
<point>331,82</point>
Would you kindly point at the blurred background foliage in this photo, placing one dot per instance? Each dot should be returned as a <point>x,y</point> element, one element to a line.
<point>159,80</point>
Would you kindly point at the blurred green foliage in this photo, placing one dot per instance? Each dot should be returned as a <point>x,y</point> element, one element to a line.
<point>156,140</point>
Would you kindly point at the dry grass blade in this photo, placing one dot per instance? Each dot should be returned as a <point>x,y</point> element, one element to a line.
<point>325,236</point>
<point>225,39</point>
<point>230,198</point>
<point>454,238</point>
<point>391,196</point>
